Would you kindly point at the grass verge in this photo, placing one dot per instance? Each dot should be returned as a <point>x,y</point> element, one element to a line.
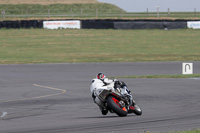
<point>160,76</point>
<point>19,46</point>
<point>191,131</point>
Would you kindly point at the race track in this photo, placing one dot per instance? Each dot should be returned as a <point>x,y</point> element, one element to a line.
<point>55,98</point>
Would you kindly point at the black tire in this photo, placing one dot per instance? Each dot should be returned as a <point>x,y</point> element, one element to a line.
<point>137,110</point>
<point>112,104</point>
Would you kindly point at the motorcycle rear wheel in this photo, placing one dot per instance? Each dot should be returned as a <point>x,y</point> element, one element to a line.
<point>113,104</point>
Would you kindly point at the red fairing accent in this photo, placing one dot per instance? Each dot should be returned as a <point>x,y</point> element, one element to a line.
<point>132,107</point>
<point>114,94</point>
<point>116,101</point>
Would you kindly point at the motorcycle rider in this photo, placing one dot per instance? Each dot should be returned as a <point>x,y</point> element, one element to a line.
<point>102,81</point>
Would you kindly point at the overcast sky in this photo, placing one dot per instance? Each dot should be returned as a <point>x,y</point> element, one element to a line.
<point>142,5</point>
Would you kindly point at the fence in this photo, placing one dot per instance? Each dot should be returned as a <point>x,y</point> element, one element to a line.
<point>100,24</point>
<point>93,13</point>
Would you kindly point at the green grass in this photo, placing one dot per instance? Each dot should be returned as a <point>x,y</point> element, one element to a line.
<point>160,76</point>
<point>60,8</point>
<point>57,10</point>
<point>18,46</point>
<point>191,131</point>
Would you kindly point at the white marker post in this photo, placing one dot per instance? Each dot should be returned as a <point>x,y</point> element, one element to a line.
<point>187,68</point>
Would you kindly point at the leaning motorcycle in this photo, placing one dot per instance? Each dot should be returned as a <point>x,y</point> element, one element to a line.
<point>117,103</point>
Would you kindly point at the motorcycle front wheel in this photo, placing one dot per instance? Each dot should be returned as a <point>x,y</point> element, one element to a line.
<point>137,110</point>
<point>114,105</point>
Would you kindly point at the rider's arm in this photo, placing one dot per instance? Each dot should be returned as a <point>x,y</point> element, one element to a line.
<point>108,81</point>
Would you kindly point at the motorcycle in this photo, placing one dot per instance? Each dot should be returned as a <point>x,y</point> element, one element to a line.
<point>117,103</point>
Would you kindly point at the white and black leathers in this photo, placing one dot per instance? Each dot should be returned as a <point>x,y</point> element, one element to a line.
<point>99,84</point>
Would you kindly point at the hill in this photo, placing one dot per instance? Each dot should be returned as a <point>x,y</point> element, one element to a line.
<point>29,9</point>
<point>48,2</point>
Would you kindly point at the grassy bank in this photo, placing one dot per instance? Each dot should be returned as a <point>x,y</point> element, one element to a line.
<point>77,10</point>
<point>47,2</point>
<point>56,8</point>
<point>191,131</point>
<point>160,76</point>
<point>60,46</point>
<point>34,11</point>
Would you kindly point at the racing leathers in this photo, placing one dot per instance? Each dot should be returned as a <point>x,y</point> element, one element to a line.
<point>106,83</point>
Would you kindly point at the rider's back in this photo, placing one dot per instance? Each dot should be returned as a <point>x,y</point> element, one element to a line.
<point>96,83</point>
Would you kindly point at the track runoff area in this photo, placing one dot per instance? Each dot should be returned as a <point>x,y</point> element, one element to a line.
<point>56,98</point>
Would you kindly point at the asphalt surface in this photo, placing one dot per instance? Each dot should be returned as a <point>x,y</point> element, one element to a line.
<point>55,98</point>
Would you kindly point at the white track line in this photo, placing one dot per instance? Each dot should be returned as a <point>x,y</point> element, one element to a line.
<point>3,114</point>
<point>57,89</point>
<point>62,91</point>
<point>196,78</point>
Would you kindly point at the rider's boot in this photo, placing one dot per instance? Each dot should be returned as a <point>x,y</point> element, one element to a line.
<point>101,105</point>
<point>104,111</point>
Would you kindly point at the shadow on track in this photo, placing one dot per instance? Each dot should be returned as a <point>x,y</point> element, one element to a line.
<point>104,117</point>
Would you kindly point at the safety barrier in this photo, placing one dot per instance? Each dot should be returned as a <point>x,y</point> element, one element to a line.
<point>105,24</point>
<point>21,24</point>
<point>97,24</point>
<point>150,25</point>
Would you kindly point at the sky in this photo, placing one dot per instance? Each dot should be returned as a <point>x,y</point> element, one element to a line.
<point>152,5</point>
